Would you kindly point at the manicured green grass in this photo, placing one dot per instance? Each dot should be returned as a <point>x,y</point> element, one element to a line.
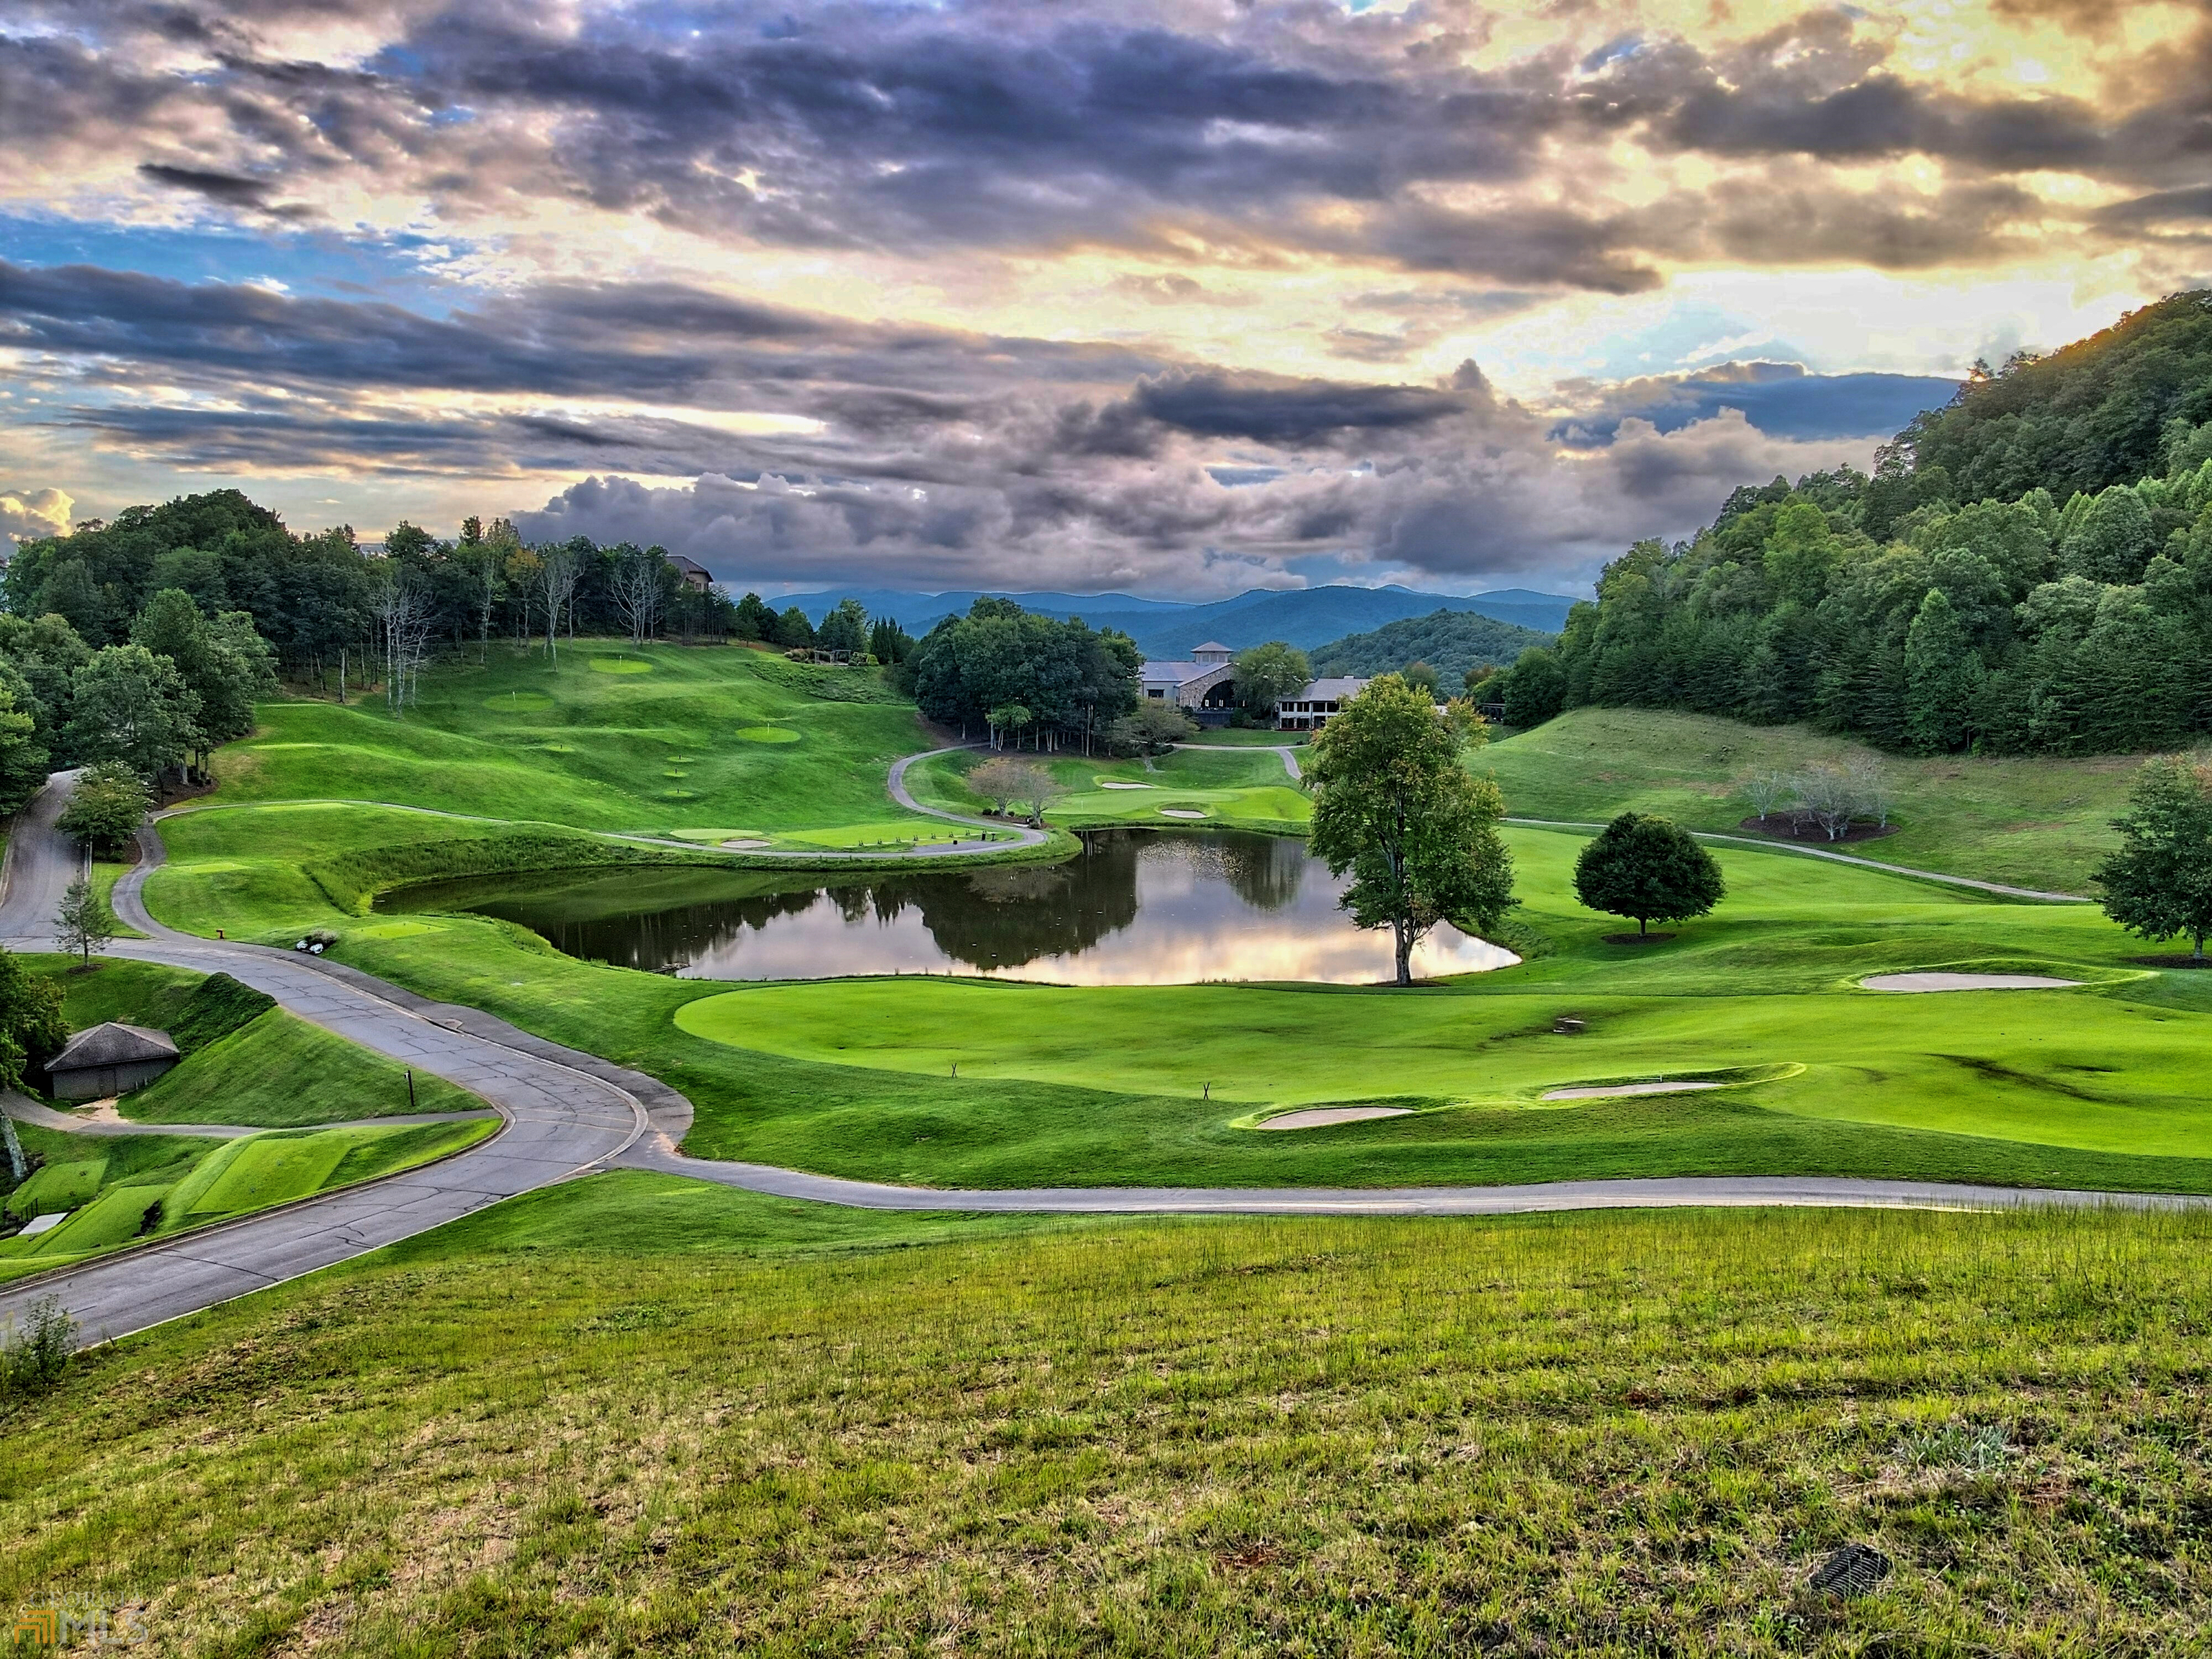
<point>660,747</point>
<point>1107,1086</point>
<point>1228,788</point>
<point>274,1072</point>
<point>1633,1433</point>
<point>1233,737</point>
<point>143,1186</point>
<point>2041,822</point>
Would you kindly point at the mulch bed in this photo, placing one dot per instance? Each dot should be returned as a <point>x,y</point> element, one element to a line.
<point>1637,938</point>
<point>2184,960</point>
<point>1782,828</point>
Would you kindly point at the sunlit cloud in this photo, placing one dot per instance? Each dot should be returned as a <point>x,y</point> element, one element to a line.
<point>1160,295</point>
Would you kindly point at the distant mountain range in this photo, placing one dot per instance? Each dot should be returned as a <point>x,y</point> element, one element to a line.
<point>1304,616</point>
<point>1450,641</point>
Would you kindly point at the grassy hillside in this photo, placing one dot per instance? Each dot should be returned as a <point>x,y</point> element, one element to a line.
<point>1621,1433</point>
<point>1227,786</point>
<point>251,1062</point>
<point>124,1189</point>
<point>1450,641</point>
<point>2043,822</point>
<point>661,740</point>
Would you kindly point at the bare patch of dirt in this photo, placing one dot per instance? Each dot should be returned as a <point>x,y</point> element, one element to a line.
<point>1778,828</point>
<point>2183,960</point>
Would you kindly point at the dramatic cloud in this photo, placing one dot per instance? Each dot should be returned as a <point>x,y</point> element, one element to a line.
<point>1167,291</point>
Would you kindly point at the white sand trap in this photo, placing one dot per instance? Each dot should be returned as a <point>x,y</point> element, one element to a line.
<point>1179,812</point>
<point>745,846</point>
<point>1965,983</point>
<point>1320,1117</point>
<point>1129,785</point>
<point>1610,1091</point>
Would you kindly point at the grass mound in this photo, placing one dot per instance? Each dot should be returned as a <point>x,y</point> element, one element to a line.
<point>1597,1434</point>
<point>155,1186</point>
<point>2042,822</point>
<point>215,1008</point>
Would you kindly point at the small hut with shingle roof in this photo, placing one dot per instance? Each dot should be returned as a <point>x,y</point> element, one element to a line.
<point>110,1059</point>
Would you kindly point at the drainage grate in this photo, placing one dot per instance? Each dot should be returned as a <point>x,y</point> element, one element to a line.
<point>1851,1571</point>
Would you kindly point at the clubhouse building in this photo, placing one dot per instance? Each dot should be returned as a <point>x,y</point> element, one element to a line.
<point>1204,686</point>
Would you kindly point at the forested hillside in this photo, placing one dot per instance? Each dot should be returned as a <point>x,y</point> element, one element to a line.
<point>2029,570</point>
<point>1450,641</point>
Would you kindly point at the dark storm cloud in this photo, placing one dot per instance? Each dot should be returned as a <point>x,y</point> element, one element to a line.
<point>643,341</point>
<point>985,124</point>
<point>1277,412</point>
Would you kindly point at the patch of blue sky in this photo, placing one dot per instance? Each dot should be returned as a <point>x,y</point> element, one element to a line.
<point>316,263</point>
<point>1779,400</point>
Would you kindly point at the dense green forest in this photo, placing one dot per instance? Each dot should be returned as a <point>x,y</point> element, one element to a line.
<point>2029,570</point>
<point>1452,642</point>
<point>141,643</point>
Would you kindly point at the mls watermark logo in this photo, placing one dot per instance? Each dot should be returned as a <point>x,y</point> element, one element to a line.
<point>69,1622</point>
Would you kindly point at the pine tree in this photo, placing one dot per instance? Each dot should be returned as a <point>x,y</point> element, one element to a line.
<point>1942,677</point>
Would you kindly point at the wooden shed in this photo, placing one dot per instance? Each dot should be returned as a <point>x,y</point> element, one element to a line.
<point>110,1059</point>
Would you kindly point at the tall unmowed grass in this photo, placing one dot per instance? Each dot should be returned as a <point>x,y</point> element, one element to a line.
<point>1627,1433</point>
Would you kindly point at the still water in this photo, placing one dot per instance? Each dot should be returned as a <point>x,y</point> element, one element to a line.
<point>1135,907</point>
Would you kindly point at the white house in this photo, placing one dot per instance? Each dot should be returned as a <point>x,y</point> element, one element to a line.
<point>1309,710</point>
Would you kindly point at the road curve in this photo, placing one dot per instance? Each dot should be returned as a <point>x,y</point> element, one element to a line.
<point>565,1112</point>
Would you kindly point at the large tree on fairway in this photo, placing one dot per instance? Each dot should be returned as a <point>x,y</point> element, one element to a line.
<point>1648,868</point>
<point>1396,806</point>
<point>2160,883</point>
<point>1268,674</point>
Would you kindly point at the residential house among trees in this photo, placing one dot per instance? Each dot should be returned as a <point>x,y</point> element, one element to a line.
<point>1309,710</point>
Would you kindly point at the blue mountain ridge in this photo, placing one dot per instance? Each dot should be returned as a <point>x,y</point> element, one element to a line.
<point>1304,616</point>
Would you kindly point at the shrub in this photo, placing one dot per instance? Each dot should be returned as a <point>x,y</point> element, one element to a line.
<point>34,1359</point>
<point>105,808</point>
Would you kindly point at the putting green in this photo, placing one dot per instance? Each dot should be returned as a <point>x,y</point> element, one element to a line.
<point>766,734</point>
<point>2114,1077</point>
<point>620,666</point>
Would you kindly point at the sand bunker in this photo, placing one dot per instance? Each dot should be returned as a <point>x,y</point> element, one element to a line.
<point>1965,983</point>
<point>1179,812</point>
<point>1608,1091</point>
<point>1320,1117</point>
<point>746,845</point>
<point>1129,785</point>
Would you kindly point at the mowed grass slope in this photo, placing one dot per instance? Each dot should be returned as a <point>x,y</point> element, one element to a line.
<point>2036,822</point>
<point>275,1071</point>
<point>1601,1434</point>
<point>1226,787</point>
<point>658,740</point>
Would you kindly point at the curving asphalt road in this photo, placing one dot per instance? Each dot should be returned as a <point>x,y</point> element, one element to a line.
<point>561,1119</point>
<point>569,1113</point>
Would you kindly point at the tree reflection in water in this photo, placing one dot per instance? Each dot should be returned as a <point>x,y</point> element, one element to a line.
<point>1135,907</point>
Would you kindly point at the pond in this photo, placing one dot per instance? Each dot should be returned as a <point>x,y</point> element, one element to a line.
<point>1136,907</point>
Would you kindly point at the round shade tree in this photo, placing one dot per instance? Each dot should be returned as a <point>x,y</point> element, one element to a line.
<point>1396,806</point>
<point>1648,868</point>
<point>2160,883</point>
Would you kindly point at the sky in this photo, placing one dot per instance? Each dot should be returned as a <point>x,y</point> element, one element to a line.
<point>1171,299</point>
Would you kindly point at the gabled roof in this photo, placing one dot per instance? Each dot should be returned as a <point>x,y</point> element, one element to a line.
<point>112,1044</point>
<point>1178,673</point>
<point>1330,690</point>
<point>687,564</point>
